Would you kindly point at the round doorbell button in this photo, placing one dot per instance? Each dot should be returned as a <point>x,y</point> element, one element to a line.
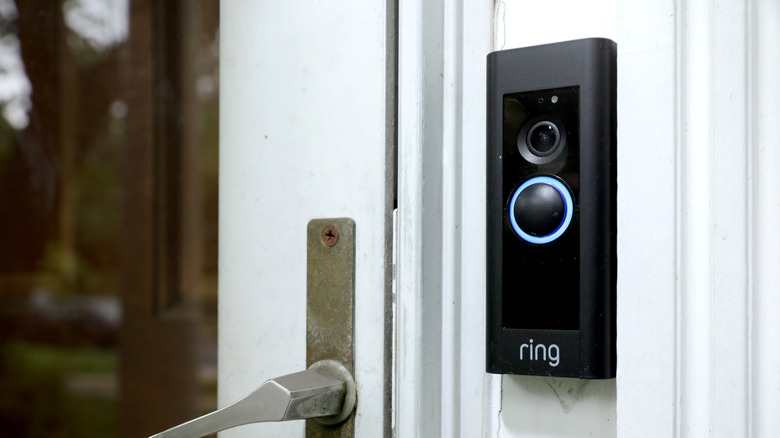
<point>541,210</point>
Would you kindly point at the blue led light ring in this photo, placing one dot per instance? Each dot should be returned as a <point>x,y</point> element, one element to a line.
<point>567,214</point>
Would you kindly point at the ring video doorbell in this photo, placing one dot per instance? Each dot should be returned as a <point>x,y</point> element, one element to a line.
<point>551,216</point>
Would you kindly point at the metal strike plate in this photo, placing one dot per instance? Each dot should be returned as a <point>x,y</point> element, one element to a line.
<point>330,286</point>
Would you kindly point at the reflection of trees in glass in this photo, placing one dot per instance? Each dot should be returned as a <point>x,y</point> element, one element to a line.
<point>75,74</point>
<point>61,135</point>
<point>15,87</point>
<point>102,24</point>
<point>96,26</point>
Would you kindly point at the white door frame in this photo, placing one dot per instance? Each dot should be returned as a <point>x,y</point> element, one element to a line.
<point>699,218</point>
<point>442,388</point>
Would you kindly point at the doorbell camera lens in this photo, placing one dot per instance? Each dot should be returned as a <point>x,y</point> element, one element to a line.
<point>543,138</point>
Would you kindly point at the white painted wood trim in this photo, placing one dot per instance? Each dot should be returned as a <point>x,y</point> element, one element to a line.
<point>698,218</point>
<point>440,344</point>
<point>764,119</point>
<point>647,218</point>
<point>411,374</point>
<point>479,393</point>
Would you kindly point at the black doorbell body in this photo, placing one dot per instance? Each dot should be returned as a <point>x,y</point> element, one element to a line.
<point>551,216</point>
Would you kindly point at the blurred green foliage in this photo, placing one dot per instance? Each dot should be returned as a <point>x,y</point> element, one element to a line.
<point>42,396</point>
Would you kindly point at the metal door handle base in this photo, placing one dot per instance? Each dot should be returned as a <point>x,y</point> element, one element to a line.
<point>326,391</point>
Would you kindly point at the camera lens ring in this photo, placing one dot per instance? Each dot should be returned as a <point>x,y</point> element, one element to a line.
<point>536,149</point>
<point>543,138</point>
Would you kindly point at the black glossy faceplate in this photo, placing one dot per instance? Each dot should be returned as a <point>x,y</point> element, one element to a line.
<point>541,282</point>
<point>557,297</point>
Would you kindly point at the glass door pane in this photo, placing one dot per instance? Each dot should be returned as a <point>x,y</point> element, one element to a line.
<point>108,232</point>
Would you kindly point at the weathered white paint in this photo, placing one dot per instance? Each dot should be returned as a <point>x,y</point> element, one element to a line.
<point>537,406</point>
<point>764,203</point>
<point>713,215</point>
<point>441,384</point>
<point>528,23</point>
<point>699,231</point>
<point>303,135</point>
<point>647,230</point>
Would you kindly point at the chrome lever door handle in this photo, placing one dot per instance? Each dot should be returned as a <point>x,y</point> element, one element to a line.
<point>325,391</point>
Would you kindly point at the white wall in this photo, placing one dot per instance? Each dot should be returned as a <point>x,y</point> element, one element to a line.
<point>539,406</point>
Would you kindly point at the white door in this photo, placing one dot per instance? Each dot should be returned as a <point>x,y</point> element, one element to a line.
<point>306,132</point>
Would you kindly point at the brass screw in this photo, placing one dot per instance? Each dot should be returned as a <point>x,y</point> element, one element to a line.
<point>330,236</point>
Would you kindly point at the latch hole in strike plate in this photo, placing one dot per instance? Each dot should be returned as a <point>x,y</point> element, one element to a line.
<point>330,302</point>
